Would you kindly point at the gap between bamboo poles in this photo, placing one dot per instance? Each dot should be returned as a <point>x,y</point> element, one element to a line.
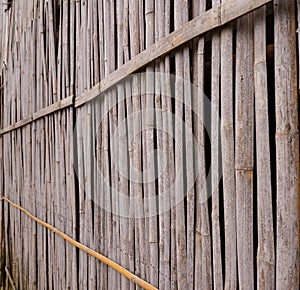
<point>130,276</point>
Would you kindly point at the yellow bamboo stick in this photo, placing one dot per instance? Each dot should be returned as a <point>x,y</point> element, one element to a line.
<point>135,279</point>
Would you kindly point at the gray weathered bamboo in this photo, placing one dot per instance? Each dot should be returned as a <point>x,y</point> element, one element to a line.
<point>228,156</point>
<point>244,148</point>
<point>215,155</point>
<point>56,56</point>
<point>287,146</point>
<point>203,275</point>
<point>265,251</point>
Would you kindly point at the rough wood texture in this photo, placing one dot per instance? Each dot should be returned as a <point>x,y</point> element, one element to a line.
<point>205,22</point>
<point>216,158</point>
<point>220,15</point>
<point>244,147</point>
<point>88,166</point>
<point>203,270</point>
<point>228,156</point>
<point>265,251</point>
<point>287,147</point>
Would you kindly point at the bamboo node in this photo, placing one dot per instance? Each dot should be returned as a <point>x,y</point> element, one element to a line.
<point>244,168</point>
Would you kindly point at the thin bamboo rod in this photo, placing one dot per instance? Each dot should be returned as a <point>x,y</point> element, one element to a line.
<point>287,146</point>
<point>215,155</point>
<point>244,149</point>
<point>203,270</point>
<point>135,279</point>
<point>12,284</point>
<point>265,251</point>
<point>228,156</point>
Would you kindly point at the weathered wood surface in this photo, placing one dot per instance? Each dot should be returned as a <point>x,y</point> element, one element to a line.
<point>205,22</point>
<point>287,147</point>
<point>216,157</point>
<point>244,149</point>
<point>265,252</point>
<point>222,13</point>
<point>89,167</point>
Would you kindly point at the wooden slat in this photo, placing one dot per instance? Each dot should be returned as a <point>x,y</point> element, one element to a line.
<point>265,252</point>
<point>215,155</point>
<point>67,102</point>
<point>244,148</point>
<point>287,147</point>
<point>228,156</point>
<point>203,270</point>
<point>180,10</point>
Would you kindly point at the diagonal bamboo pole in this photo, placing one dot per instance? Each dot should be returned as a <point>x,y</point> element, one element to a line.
<point>135,279</point>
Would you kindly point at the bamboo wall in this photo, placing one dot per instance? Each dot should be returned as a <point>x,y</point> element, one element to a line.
<point>97,158</point>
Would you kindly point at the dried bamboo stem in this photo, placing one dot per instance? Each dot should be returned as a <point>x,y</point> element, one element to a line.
<point>265,251</point>
<point>287,146</point>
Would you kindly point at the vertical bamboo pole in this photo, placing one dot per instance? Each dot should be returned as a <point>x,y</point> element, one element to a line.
<point>228,156</point>
<point>163,11</point>
<point>102,162</point>
<point>162,167</point>
<point>179,9</point>
<point>108,61</point>
<point>122,150</point>
<point>265,252</point>
<point>83,82</point>
<point>128,94</point>
<point>32,192</point>
<point>203,275</point>
<point>135,161</point>
<point>171,158</point>
<point>287,146</point>
<point>244,124</point>
<point>113,115</point>
<point>215,155</point>
<point>148,147</point>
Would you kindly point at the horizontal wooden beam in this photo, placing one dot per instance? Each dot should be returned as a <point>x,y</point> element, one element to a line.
<point>207,21</point>
<point>67,102</point>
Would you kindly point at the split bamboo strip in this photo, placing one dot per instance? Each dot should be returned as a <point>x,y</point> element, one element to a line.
<point>203,274</point>
<point>84,248</point>
<point>228,156</point>
<point>108,52</point>
<point>12,284</point>
<point>287,146</point>
<point>169,219</point>
<point>149,100</point>
<point>113,123</point>
<point>179,9</point>
<point>122,150</point>
<point>265,251</point>
<point>244,147</point>
<point>215,157</point>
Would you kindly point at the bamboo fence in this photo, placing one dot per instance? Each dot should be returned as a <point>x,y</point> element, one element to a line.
<point>116,172</point>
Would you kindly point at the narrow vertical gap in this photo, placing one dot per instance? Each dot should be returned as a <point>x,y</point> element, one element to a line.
<point>171,16</point>
<point>207,122</point>
<point>233,107</point>
<point>271,111</point>
<point>208,5</point>
<point>221,189</point>
<point>255,212</point>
